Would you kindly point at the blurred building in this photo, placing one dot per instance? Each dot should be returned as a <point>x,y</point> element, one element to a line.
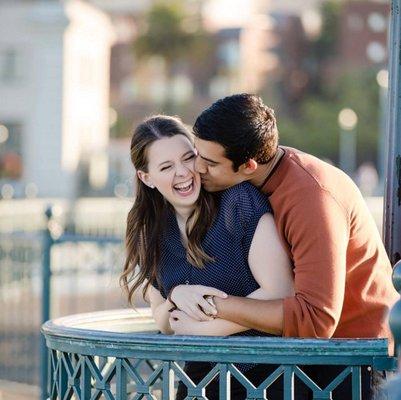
<point>267,44</point>
<point>306,11</point>
<point>124,15</point>
<point>290,49</point>
<point>122,7</point>
<point>291,7</point>
<point>243,53</point>
<point>363,33</point>
<point>54,75</point>
<point>122,174</point>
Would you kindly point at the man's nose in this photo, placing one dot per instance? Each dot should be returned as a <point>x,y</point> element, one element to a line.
<point>200,165</point>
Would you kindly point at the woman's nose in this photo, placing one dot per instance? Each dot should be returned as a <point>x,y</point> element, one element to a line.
<point>181,170</point>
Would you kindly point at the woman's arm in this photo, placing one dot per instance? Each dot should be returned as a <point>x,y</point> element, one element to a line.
<point>183,324</point>
<point>269,262</point>
<point>275,277</point>
<point>160,310</point>
<point>270,267</point>
<point>166,322</point>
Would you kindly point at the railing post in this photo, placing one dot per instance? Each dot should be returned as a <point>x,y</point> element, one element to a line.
<point>393,387</point>
<point>392,209</point>
<point>46,275</point>
<point>395,314</point>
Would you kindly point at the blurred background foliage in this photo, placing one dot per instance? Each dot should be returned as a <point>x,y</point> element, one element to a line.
<point>308,60</point>
<point>310,121</point>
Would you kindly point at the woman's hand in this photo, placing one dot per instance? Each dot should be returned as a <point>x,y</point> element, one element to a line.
<point>182,324</point>
<point>191,300</point>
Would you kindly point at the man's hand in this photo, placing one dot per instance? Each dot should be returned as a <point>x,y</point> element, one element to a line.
<point>191,300</point>
<point>182,324</point>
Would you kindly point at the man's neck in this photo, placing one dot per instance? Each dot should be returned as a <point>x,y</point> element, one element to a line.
<point>263,171</point>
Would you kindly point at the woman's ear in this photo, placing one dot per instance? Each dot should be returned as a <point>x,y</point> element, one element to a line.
<point>144,177</point>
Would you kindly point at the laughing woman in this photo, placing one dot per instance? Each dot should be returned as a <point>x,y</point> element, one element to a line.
<point>180,236</point>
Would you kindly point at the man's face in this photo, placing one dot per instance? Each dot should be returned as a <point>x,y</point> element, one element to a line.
<point>215,168</point>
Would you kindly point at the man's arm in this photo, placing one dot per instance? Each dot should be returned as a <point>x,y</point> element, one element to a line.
<point>183,324</point>
<point>318,245</point>
<point>262,315</point>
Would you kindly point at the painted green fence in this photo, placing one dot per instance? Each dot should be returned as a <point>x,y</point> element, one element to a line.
<point>130,361</point>
<point>46,274</point>
<point>20,293</point>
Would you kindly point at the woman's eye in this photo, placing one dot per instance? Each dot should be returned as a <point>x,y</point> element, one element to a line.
<point>165,168</point>
<point>191,157</point>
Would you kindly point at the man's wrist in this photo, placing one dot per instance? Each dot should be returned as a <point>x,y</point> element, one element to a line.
<point>219,303</point>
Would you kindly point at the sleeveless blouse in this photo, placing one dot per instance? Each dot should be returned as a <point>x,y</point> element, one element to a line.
<point>227,241</point>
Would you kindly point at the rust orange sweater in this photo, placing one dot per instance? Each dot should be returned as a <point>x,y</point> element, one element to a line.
<point>342,273</point>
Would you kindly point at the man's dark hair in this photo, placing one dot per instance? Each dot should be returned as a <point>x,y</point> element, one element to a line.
<point>243,125</point>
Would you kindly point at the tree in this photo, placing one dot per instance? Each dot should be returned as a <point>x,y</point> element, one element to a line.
<point>324,48</point>
<point>311,124</point>
<point>316,129</point>
<point>163,33</point>
<point>169,32</point>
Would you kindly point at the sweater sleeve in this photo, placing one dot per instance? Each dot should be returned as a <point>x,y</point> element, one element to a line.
<point>318,235</point>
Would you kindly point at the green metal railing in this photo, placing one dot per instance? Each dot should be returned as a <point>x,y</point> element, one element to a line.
<point>46,274</point>
<point>392,209</point>
<point>138,363</point>
<point>98,264</point>
<point>20,272</point>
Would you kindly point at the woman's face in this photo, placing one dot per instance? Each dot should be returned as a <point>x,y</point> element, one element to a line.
<point>171,170</point>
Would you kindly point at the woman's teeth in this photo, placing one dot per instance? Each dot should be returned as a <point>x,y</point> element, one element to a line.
<point>184,187</point>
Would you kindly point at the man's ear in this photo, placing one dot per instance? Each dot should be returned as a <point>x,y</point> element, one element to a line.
<point>144,177</point>
<point>249,167</point>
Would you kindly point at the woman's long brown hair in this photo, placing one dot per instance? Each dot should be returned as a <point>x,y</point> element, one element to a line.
<point>147,218</point>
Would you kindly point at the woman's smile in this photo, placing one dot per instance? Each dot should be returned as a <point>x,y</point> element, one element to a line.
<point>185,188</point>
<point>171,170</point>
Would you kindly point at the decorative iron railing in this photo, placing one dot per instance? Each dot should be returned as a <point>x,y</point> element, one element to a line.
<point>119,355</point>
<point>46,274</point>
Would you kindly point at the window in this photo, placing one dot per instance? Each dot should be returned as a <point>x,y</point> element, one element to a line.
<point>10,150</point>
<point>377,22</point>
<point>355,22</point>
<point>10,65</point>
<point>376,52</point>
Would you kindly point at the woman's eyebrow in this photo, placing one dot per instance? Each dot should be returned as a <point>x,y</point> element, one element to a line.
<point>164,162</point>
<point>188,153</point>
<point>184,155</point>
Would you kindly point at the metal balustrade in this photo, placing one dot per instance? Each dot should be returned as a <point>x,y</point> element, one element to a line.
<point>46,274</point>
<point>20,320</point>
<point>119,355</point>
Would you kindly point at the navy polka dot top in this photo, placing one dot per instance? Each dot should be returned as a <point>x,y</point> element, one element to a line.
<point>228,242</point>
